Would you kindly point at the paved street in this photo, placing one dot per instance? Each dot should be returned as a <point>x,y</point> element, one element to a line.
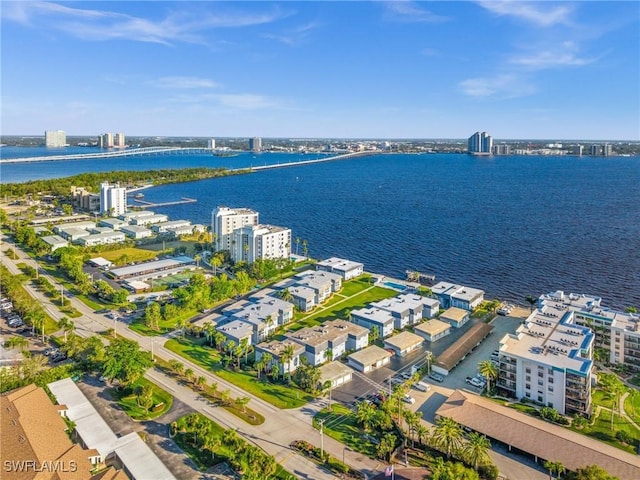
<point>274,436</point>
<point>284,426</point>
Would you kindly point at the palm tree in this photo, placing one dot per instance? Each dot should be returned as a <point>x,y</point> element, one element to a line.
<point>197,259</point>
<point>285,295</point>
<point>200,382</point>
<point>476,450</point>
<point>328,355</point>
<point>243,403</point>
<point>286,356</point>
<point>447,435</point>
<point>488,370</point>
<point>531,300</point>
<point>422,432</point>
<point>67,326</point>
<point>19,343</point>
<point>428,356</point>
<point>216,261</point>
<point>364,414</point>
<point>297,244</point>
<point>260,365</point>
<point>554,467</point>
<point>305,248</point>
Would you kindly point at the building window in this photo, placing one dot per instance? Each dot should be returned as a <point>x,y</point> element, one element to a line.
<point>527,386</point>
<point>550,380</point>
<point>528,378</point>
<point>550,372</point>
<point>528,370</point>
<point>550,404</point>
<point>541,374</point>
<point>550,388</point>
<point>540,382</point>
<point>540,398</point>
<point>528,395</point>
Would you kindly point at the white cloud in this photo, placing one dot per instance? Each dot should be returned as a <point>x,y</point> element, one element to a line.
<point>407,11</point>
<point>238,101</point>
<point>501,87</point>
<point>184,82</point>
<point>294,36</point>
<point>564,54</point>
<point>540,13</point>
<point>100,25</point>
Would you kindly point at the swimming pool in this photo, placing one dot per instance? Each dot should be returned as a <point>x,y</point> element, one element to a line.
<point>395,286</point>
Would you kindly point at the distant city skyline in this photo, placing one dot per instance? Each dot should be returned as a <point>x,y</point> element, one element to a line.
<point>370,70</point>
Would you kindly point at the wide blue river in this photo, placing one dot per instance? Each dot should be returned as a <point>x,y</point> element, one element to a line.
<point>512,225</point>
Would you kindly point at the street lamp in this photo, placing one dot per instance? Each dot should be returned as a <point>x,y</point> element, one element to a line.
<point>321,422</point>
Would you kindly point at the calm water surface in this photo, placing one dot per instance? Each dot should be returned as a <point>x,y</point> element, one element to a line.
<point>512,226</point>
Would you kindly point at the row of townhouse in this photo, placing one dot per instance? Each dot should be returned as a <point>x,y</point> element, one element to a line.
<point>396,313</point>
<point>453,295</point>
<point>308,289</point>
<point>254,319</point>
<point>549,360</point>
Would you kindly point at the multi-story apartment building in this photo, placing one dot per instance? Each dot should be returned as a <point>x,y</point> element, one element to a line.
<point>113,199</point>
<point>452,295</point>
<point>224,221</point>
<point>264,314</point>
<point>119,140</point>
<point>255,144</point>
<point>480,143</point>
<point>106,140</point>
<point>279,350</point>
<point>371,318</point>
<point>549,361</point>
<point>406,309</point>
<point>330,340</point>
<point>617,333</point>
<point>252,242</point>
<point>346,268</point>
<point>55,138</point>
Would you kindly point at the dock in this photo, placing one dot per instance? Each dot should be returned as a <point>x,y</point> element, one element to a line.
<point>145,204</point>
<point>421,278</point>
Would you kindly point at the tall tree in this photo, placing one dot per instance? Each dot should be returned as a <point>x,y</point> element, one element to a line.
<point>476,450</point>
<point>125,361</point>
<point>447,435</point>
<point>488,370</point>
<point>531,300</point>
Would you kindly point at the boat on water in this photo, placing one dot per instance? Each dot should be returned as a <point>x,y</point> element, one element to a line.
<point>139,195</point>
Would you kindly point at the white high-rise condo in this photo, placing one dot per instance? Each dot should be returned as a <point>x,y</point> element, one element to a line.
<point>55,138</point>
<point>113,199</point>
<point>260,241</point>
<point>480,143</point>
<point>255,144</point>
<point>225,220</point>
<point>119,140</point>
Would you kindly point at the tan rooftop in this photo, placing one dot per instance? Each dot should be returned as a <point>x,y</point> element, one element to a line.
<point>455,313</point>
<point>456,352</point>
<point>433,327</point>
<point>370,355</point>
<point>404,340</point>
<point>542,439</point>
<point>333,370</point>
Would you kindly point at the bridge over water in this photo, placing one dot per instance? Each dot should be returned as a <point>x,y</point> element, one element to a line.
<point>125,152</point>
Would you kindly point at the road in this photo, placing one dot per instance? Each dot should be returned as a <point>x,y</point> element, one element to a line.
<point>280,428</point>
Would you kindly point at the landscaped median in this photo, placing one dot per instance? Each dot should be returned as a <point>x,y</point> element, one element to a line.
<point>211,392</point>
<point>144,400</point>
<point>279,395</point>
<point>208,444</point>
<point>325,460</point>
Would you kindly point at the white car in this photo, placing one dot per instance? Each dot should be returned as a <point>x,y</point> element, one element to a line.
<point>408,399</point>
<point>422,387</point>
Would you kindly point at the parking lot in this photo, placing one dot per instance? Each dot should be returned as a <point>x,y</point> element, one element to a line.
<point>399,368</point>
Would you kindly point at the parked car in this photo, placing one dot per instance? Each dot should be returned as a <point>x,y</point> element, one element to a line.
<point>436,376</point>
<point>422,387</point>
<point>408,399</point>
<point>474,382</point>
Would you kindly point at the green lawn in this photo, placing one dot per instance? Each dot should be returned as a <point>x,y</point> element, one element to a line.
<point>340,423</point>
<point>342,308</point>
<point>164,326</point>
<point>278,395</point>
<point>601,430</point>
<point>132,254</point>
<point>351,287</point>
<point>632,405</point>
<point>533,411</point>
<point>127,399</point>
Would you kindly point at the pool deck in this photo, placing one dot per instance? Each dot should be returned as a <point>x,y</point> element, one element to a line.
<point>408,286</point>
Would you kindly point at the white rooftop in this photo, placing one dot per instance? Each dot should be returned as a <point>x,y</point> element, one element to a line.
<point>340,264</point>
<point>137,457</point>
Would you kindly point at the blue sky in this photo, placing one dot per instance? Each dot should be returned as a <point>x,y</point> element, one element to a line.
<point>397,69</point>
